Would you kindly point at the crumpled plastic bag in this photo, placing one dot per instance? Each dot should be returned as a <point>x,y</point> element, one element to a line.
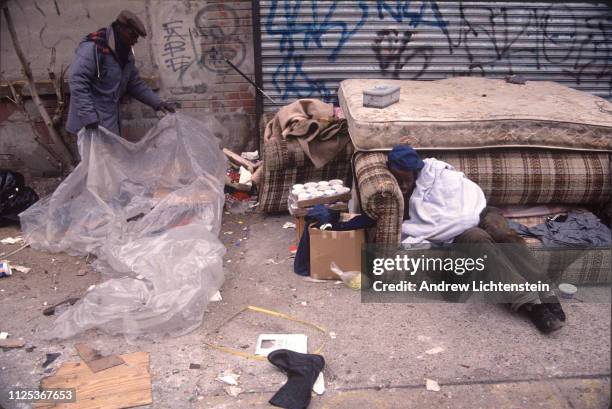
<point>151,213</point>
<point>352,279</point>
<point>15,196</point>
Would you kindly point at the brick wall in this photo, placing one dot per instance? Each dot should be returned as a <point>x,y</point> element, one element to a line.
<point>200,36</point>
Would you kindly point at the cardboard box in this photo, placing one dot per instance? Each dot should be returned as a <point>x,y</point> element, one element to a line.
<point>341,247</point>
<point>299,228</point>
<point>300,222</point>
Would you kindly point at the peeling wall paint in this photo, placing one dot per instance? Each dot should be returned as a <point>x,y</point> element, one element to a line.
<point>184,50</point>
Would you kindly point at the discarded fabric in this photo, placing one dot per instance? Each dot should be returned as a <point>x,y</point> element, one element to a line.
<point>579,229</point>
<point>444,204</point>
<point>312,123</point>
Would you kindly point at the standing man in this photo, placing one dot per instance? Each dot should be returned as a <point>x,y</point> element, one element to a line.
<point>103,71</point>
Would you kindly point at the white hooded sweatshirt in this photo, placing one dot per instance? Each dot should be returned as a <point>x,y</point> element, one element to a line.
<point>443,205</point>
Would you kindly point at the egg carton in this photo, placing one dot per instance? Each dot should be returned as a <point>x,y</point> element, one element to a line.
<point>323,192</point>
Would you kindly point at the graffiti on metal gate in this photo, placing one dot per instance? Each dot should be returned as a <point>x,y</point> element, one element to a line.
<point>431,40</point>
<point>299,37</point>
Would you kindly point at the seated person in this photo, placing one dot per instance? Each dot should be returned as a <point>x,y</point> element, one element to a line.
<point>441,205</point>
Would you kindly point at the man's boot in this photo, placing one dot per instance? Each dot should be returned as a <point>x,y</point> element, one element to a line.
<point>542,318</point>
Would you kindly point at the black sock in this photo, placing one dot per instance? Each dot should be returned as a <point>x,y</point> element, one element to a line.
<point>302,372</point>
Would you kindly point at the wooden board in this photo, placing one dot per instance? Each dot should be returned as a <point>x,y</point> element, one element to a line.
<point>123,386</point>
<point>341,197</point>
<point>303,211</point>
<point>94,360</point>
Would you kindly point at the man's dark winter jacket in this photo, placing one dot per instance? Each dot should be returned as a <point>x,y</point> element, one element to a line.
<point>98,81</point>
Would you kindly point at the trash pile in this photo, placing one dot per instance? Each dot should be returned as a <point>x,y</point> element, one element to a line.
<point>151,213</point>
<point>242,179</point>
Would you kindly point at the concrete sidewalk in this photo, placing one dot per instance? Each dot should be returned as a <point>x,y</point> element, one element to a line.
<point>378,359</point>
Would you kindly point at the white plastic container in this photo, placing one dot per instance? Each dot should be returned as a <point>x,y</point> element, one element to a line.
<point>567,291</point>
<point>5,269</point>
<point>343,189</point>
<point>381,96</point>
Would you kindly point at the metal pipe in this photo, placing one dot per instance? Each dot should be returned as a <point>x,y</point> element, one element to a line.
<point>249,80</point>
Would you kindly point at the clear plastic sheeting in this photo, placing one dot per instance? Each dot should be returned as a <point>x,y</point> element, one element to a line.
<point>151,213</point>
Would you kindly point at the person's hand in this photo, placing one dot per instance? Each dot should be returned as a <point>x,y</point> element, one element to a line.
<point>166,107</point>
<point>91,126</point>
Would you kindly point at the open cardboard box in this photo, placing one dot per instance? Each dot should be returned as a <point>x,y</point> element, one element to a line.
<point>341,247</point>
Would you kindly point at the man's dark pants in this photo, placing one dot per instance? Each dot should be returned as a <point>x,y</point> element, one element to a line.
<point>509,260</point>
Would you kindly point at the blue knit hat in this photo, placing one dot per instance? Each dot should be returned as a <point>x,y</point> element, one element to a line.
<point>403,157</point>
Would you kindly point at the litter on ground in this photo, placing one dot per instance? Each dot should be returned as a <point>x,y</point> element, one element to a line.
<point>12,240</point>
<point>228,377</point>
<point>432,385</point>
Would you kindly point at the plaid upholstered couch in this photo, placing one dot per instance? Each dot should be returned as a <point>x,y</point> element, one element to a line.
<point>508,177</point>
<point>285,164</point>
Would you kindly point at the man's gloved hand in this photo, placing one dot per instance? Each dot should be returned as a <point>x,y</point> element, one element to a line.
<point>166,107</point>
<point>93,125</point>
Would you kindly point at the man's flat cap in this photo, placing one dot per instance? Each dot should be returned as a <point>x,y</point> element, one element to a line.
<point>130,19</point>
